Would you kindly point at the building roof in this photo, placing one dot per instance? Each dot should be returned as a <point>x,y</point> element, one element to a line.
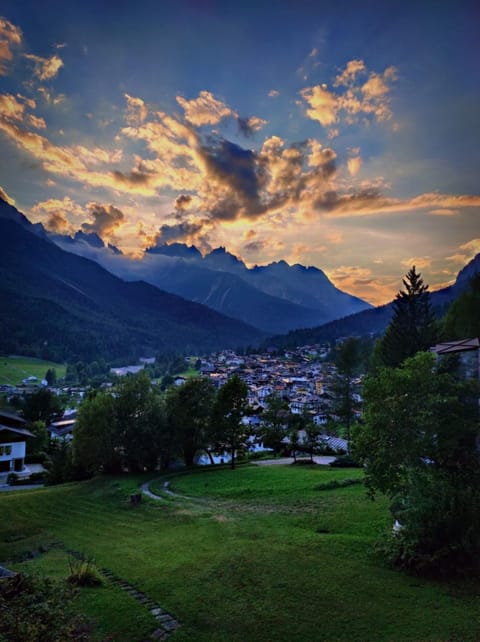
<point>8,418</point>
<point>457,346</point>
<point>18,431</point>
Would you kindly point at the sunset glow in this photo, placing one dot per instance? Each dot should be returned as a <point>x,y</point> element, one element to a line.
<point>339,137</point>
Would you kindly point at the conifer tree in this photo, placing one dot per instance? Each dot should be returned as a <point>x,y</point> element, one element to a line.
<point>412,328</point>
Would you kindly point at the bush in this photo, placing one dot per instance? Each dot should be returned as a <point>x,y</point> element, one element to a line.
<point>83,572</point>
<point>37,609</point>
<point>440,527</point>
<point>12,478</point>
<point>345,461</point>
<point>35,478</point>
<point>338,483</point>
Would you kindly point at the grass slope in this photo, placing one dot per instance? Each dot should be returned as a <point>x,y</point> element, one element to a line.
<point>258,553</point>
<point>14,369</point>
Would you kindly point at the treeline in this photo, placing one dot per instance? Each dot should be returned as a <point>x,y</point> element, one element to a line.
<point>135,428</point>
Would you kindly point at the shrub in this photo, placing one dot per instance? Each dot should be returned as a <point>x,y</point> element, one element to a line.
<point>83,572</point>
<point>345,461</point>
<point>12,478</point>
<point>338,483</point>
<point>37,609</point>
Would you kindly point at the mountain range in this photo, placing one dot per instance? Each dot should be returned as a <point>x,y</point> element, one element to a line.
<point>62,306</point>
<point>374,321</point>
<point>77,299</point>
<point>275,298</point>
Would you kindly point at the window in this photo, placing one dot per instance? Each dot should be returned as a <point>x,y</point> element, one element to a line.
<point>5,450</point>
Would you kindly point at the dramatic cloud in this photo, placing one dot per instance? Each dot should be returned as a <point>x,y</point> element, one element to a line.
<point>106,219</point>
<point>254,247</point>
<point>354,164</point>
<point>323,104</point>
<point>11,108</point>
<point>364,283</point>
<point>204,110</point>
<point>10,35</point>
<point>350,72</point>
<point>249,126</point>
<point>178,232</point>
<point>36,122</point>
<point>45,68</point>
<point>58,223</point>
<point>5,197</point>
<point>183,202</point>
<point>273,93</point>
<point>58,216</point>
<point>353,99</point>
<point>136,111</point>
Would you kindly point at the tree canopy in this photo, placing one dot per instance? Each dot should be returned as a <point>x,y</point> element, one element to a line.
<point>419,446</point>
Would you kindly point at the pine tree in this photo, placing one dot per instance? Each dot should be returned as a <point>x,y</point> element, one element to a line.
<point>412,328</point>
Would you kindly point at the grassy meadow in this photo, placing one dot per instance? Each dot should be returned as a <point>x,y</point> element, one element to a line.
<point>259,553</point>
<point>14,369</point>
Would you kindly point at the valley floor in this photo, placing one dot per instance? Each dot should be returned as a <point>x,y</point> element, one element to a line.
<point>259,553</point>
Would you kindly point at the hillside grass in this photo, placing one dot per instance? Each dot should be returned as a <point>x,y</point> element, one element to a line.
<point>258,553</point>
<point>14,369</point>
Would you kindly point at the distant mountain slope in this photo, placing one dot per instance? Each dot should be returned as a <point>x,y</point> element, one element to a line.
<point>376,320</point>
<point>70,307</point>
<point>275,298</point>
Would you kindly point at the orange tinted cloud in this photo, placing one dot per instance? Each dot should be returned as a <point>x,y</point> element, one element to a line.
<point>11,108</point>
<point>367,285</point>
<point>45,68</point>
<point>352,99</point>
<point>105,219</point>
<point>204,110</point>
<point>10,35</point>
<point>354,164</point>
<point>136,110</point>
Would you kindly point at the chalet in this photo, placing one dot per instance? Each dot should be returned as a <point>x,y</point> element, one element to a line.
<point>13,444</point>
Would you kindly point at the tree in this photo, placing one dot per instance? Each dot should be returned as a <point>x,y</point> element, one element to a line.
<point>275,422</point>
<point>230,407</point>
<point>42,405</point>
<point>95,436</point>
<point>462,319</point>
<point>419,446</point>
<point>412,328</point>
<point>38,445</point>
<point>189,409</point>
<point>51,376</point>
<point>139,421</point>
<point>348,357</point>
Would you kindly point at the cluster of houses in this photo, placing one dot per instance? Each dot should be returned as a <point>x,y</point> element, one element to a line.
<point>303,377</point>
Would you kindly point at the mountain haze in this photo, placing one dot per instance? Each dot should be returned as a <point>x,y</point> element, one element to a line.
<point>274,298</point>
<point>68,307</point>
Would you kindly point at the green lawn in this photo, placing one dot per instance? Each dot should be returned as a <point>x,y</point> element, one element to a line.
<point>14,369</point>
<point>258,553</point>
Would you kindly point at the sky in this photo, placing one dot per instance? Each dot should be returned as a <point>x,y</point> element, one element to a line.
<point>344,135</point>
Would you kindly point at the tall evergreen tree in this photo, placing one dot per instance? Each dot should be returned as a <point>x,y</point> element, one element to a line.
<point>412,328</point>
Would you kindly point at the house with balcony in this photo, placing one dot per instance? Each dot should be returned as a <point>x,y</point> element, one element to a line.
<point>13,445</point>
